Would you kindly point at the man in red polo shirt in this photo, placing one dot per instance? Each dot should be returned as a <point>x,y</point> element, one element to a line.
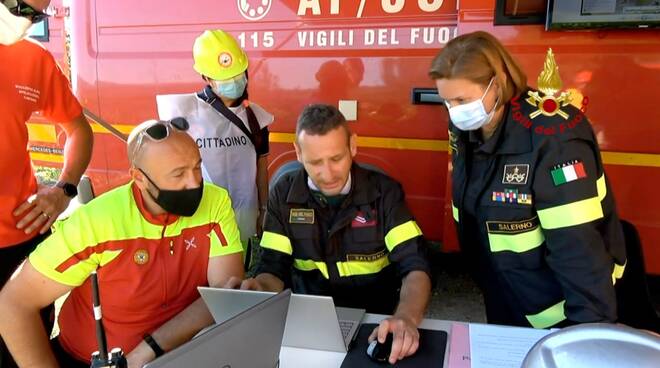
<point>152,242</point>
<point>30,81</point>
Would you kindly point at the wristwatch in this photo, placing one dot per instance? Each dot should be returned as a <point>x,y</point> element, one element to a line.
<point>69,189</point>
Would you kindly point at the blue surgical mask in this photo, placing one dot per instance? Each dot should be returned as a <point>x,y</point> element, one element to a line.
<point>233,88</point>
<point>472,115</point>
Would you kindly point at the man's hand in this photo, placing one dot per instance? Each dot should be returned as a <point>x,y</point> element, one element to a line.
<point>233,283</point>
<point>406,336</point>
<point>41,209</point>
<point>251,284</point>
<point>141,355</point>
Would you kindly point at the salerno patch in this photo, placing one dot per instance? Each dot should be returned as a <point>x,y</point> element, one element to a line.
<point>512,227</point>
<point>301,216</point>
<point>365,257</point>
<point>515,174</point>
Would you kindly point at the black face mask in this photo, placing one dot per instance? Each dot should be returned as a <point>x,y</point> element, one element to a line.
<point>182,202</point>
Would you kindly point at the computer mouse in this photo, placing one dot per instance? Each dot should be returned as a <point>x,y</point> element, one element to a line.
<point>380,352</point>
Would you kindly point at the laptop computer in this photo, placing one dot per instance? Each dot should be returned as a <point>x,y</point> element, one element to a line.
<point>252,338</point>
<point>313,322</point>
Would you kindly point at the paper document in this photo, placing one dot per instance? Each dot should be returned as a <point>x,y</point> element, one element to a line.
<point>493,346</point>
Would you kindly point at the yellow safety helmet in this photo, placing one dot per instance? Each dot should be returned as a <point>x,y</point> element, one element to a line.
<point>218,56</point>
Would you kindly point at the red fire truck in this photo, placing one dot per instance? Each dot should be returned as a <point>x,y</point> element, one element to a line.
<point>370,58</point>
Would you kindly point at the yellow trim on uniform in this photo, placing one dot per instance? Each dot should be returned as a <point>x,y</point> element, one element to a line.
<point>38,132</point>
<point>454,211</point>
<point>575,213</point>
<point>355,268</point>
<point>517,243</point>
<point>309,265</point>
<point>47,157</point>
<point>617,273</point>
<point>401,233</point>
<point>548,317</point>
<point>276,242</point>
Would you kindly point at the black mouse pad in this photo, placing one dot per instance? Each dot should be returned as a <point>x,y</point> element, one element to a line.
<point>431,352</point>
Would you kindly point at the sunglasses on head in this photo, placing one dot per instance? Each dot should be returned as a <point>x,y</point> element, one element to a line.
<point>20,9</point>
<point>160,130</point>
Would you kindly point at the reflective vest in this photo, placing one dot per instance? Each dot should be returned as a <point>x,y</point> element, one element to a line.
<point>536,214</point>
<point>228,156</point>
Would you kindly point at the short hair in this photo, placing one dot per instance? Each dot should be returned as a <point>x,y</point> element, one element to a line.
<point>319,119</point>
<point>478,57</point>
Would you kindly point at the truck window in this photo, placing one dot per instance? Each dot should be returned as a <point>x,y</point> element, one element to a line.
<point>518,12</point>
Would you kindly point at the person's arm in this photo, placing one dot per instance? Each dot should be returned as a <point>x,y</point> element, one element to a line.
<point>573,215</point>
<point>22,298</point>
<point>191,320</point>
<point>42,209</point>
<point>262,190</point>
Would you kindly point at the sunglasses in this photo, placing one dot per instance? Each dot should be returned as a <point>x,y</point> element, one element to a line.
<point>21,9</point>
<point>159,131</point>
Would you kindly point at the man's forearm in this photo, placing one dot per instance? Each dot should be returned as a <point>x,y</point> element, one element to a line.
<point>262,180</point>
<point>25,336</point>
<point>77,150</point>
<point>414,297</point>
<point>183,326</point>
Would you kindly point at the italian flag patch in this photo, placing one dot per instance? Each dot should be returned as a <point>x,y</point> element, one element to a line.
<point>568,172</point>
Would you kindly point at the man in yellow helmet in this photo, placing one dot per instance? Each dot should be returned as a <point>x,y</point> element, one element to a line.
<point>230,131</point>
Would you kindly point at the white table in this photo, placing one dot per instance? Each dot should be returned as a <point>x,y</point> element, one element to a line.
<point>296,357</point>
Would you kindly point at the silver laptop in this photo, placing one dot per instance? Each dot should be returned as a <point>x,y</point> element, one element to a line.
<point>252,338</point>
<point>312,322</point>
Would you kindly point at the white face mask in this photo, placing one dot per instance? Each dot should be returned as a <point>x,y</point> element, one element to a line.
<point>12,28</point>
<point>472,115</point>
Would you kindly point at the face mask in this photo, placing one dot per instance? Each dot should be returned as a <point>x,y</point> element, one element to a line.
<point>232,89</point>
<point>12,28</point>
<point>473,115</point>
<point>182,202</point>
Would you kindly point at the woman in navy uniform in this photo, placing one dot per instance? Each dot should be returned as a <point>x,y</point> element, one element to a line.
<point>532,205</point>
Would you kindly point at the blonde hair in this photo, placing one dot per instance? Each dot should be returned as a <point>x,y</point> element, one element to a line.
<point>478,57</point>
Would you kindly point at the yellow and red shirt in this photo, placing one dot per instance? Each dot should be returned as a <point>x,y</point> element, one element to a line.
<point>149,267</point>
<point>30,81</point>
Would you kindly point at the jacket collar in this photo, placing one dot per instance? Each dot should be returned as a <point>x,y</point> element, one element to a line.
<point>363,190</point>
<point>164,219</point>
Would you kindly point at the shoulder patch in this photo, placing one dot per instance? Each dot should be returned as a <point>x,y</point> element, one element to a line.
<point>567,172</point>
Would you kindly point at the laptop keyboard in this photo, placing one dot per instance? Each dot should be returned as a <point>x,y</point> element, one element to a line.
<point>346,327</point>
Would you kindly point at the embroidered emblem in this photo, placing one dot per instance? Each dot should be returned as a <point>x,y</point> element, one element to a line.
<point>568,172</point>
<point>225,60</point>
<point>524,198</point>
<point>141,256</point>
<point>301,216</point>
<point>362,220</point>
<point>453,141</point>
<point>190,244</point>
<point>515,174</point>
<point>549,83</point>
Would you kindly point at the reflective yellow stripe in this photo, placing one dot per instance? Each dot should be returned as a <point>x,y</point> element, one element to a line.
<point>517,243</point>
<point>575,213</point>
<point>38,156</point>
<point>354,268</point>
<point>548,317</point>
<point>309,265</point>
<point>454,211</point>
<point>276,242</point>
<point>401,233</point>
<point>617,273</point>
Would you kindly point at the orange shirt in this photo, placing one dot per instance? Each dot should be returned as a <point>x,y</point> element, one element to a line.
<point>30,81</point>
<point>149,267</point>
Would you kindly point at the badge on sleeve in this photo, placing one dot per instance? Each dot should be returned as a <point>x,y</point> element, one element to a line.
<point>515,174</point>
<point>301,216</point>
<point>568,172</point>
